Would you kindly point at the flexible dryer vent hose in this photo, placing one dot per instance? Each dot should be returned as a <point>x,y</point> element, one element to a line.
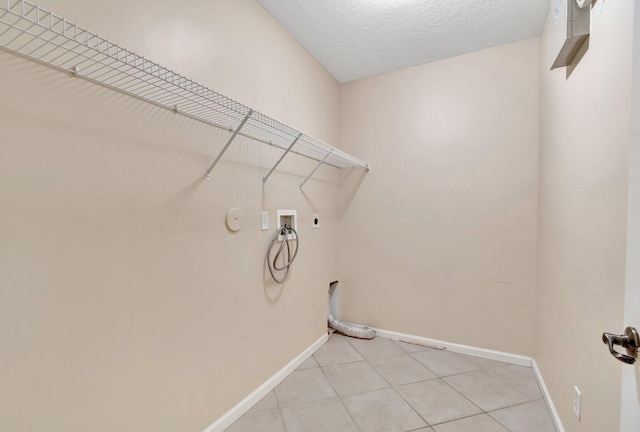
<point>346,328</point>
<point>349,329</point>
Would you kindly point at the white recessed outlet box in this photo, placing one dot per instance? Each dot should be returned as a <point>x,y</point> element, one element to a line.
<point>315,221</point>
<point>287,218</point>
<point>577,396</point>
<point>264,220</point>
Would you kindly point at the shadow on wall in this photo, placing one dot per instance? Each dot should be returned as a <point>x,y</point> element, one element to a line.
<point>350,188</point>
<point>581,52</point>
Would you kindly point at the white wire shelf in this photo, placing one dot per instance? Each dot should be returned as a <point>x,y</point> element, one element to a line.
<point>33,32</point>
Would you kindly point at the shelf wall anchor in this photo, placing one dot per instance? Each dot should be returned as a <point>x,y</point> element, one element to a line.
<point>207,175</point>
<point>315,169</point>
<point>264,180</point>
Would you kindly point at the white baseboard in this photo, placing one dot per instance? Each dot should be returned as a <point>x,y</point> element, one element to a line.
<point>457,348</point>
<point>245,404</point>
<point>547,397</point>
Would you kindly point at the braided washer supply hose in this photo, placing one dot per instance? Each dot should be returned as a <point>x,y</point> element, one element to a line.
<point>285,251</point>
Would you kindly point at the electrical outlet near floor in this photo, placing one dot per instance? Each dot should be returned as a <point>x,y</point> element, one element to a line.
<point>577,396</point>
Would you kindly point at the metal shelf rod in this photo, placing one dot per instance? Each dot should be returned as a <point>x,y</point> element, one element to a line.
<point>207,175</point>
<point>315,169</point>
<point>264,180</point>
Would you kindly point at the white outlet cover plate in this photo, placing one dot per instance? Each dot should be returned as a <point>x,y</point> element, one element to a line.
<point>264,220</point>
<point>315,222</point>
<point>577,396</point>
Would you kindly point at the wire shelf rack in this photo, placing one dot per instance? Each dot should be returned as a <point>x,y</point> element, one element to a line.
<point>28,30</point>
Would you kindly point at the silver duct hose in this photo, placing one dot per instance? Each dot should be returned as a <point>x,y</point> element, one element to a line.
<point>346,328</point>
<point>284,251</point>
<point>349,329</point>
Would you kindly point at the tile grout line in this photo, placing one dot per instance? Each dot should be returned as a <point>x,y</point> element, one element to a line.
<point>321,367</point>
<point>391,386</point>
<point>499,379</point>
<point>310,401</point>
<point>338,395</point>
<point>497,409</point>
<point>465,397</point>
<point>412,407</point>
<point>420,428</point>
<point>515,405</point>
<point>396,390</point>
<point>470,401</point>
<point>394,387</point>
<point>521,392</point>
<point>284,424</point>
<point>441,378</point>
<point>466,417</point>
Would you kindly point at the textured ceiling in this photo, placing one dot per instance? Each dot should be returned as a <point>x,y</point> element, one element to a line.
<point>358,38</point>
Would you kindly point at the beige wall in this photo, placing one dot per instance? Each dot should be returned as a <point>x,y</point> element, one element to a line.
<point>584,130</point>
<point>440,240</point>
<point>125,304</point>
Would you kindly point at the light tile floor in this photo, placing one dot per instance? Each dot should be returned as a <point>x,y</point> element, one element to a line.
<point>379,385</point>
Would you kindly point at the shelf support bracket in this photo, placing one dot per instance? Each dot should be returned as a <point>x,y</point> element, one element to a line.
<point>264,180</point>
<point>315,169</point>
<point>207,175</point>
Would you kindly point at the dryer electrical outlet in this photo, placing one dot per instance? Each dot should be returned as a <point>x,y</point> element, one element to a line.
<point>288,218</point>
<point>577,402</point>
